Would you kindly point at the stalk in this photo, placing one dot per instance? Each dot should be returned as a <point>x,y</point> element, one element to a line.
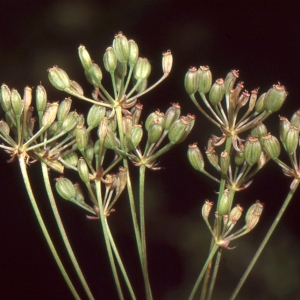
<point>214,275</point>
<point>143,231</point>
<point>216,226</point>
<point>130,194</point>
<point>133,214</point>
<point>119,260</point>
<point>63,232</point>
<point>265,240</point>
<point>44,229</point>
<point>107,242</point>
<point>208,261</point>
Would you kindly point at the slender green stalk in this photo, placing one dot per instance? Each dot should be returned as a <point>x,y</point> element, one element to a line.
<point>112,165</point>
<point>210,257</point>
<point>44,143</point>
<point>265,240</point>
<point>107,243</point>
<point>119,260</point>
<point>34,138</point>
<point>207,274</point>
<point>128,77</point>
<point>143,231</point>
<point>219,121</point>
<point>91,100</point>
<point>203,111</point>
<point>19,131</point>
<point>43,227</point>
<point>131,197</point>
<point>210,176</point>
<point>216,227</point>
<point>214,275</point>
<point>139,234</point>
<point>149,88</point>
<point>133,213</point>
<point>161,151</point>
<point>63,232</point>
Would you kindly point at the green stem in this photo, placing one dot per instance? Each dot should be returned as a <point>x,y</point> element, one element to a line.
<point>214,275</point>
<point>161,151</point>
<point>265,240</point>
<point>128,77</point>
<point>43,227</point>
<point>219,121</point>
<point>19,130</point>
<point>121,91</point>
<point>91,100</point>
<point>207,273</point>
<point>217,229</point>
<point>119,260</point>
<point>149,88</point>
<point>203,111</point>
<point>130,193</point>
<point>43,144</point>
<point>210,176</point>
<point>34,138</point>
<point>133,213</point>
<point>106,238</point>
<point>143,231</point>
<point>63,232</point>
<point>210,257</point>
<point>114,163</point>
<point>134,88</point>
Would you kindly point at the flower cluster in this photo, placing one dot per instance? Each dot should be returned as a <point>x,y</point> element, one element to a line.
<point>234,111</point>
<point>222,235</point>
<point>65,139</point>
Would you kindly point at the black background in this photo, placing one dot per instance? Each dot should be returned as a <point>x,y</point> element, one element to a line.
<point>260,38</point>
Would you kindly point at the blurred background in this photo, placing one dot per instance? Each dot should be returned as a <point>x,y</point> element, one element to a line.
<point>259,38</point>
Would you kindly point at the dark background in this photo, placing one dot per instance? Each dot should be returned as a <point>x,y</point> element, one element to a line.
<point>260,38</point>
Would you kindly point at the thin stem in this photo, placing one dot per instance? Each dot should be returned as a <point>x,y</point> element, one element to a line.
<point>161,151</point>
<point>63,232</point>
<point>7,138</point>
<point>106,238</point>
<point>43,227</point>
<point>214,275</point>
<point>92,101</point>
<point>19,130</point>
<point>143,231</point>
<point>113,80</point>
<point>210,176</point>
<point>44,143</point>
<point>6,147</point>
<point>203,111</point>
<point>223,122</point>
<point>128,77</point>
<point>265,240</point>
<point>207,273</point>
<point>210,257</point>
<point>134,88</point>
<point>130,194</point>
<point>165,75</point>
<point>113,164</point>
<point>35,136</point>
<point>133,213</point>
<point>121,90</point>
<point>119,260</point>
<point>216,222</point>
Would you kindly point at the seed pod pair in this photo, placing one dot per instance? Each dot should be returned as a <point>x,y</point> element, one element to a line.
<point>253,215</point>
<point>180,129</point>
<point>217,92</point>
<point>195,157</point>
